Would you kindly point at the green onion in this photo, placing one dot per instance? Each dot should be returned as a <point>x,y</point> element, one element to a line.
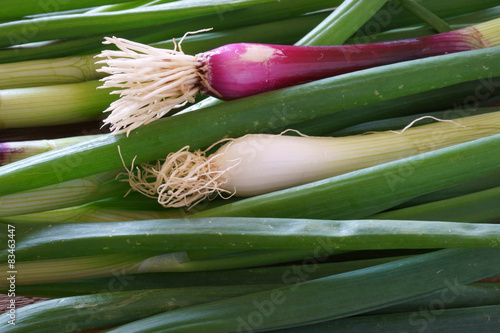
<point>277,274</point>
<point>91,213</point>
<point>260,163</point>
<point>456,22</point>
<point>372,190</point>
<point>250,115</point>
<point>170,78</point>
<point>48,71</point>
<point>392,15</point>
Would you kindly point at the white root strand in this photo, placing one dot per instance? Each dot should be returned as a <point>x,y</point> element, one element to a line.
<point>152,82</point>
<point>182,179</point>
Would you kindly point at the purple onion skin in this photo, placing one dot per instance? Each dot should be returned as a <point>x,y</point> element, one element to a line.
<point>240,70</point>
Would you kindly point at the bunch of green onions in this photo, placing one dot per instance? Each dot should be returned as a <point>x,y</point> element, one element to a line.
<point>355,201</point>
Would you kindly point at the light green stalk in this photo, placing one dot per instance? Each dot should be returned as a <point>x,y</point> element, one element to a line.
<point>426,15</point>
<point>18,150</point>
<point>102,265</point>
<point>64,194</point>
<point>342,23</point>
<point>48,71</point>
<point>52,105</point>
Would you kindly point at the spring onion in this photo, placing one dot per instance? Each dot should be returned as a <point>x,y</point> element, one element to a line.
<point>169,78</point>
<point>368,191</point>
<point>260,163</point>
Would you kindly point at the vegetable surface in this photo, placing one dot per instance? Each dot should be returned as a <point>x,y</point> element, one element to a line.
<point>251,115</point>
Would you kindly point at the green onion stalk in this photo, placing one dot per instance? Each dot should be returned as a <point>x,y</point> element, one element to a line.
<point>478,207</point>
<point>103,265</point>
<point>457,22</point>
<point>477,185</point>
<point>393,15</point>
<point>391,124</point>
<point>42,241</point>
<point>18,150</point>
<point>287,273</point>
<point>462,320</point>
<point>18,9</point>
<point>52,105</point>
<point>65,194</point>
<point>384,186</point>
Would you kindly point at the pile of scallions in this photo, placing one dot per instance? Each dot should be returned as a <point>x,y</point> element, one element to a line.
<point>257,166</point>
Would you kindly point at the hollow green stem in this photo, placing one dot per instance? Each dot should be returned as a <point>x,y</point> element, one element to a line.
<point>342,23</point>
<point>278,274</point>
<point>426,15</point>
<point>52,105</point>
<point>12,9</point>
<point>64,194</point>
<point>18,150</point>
<point>325,237</point>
